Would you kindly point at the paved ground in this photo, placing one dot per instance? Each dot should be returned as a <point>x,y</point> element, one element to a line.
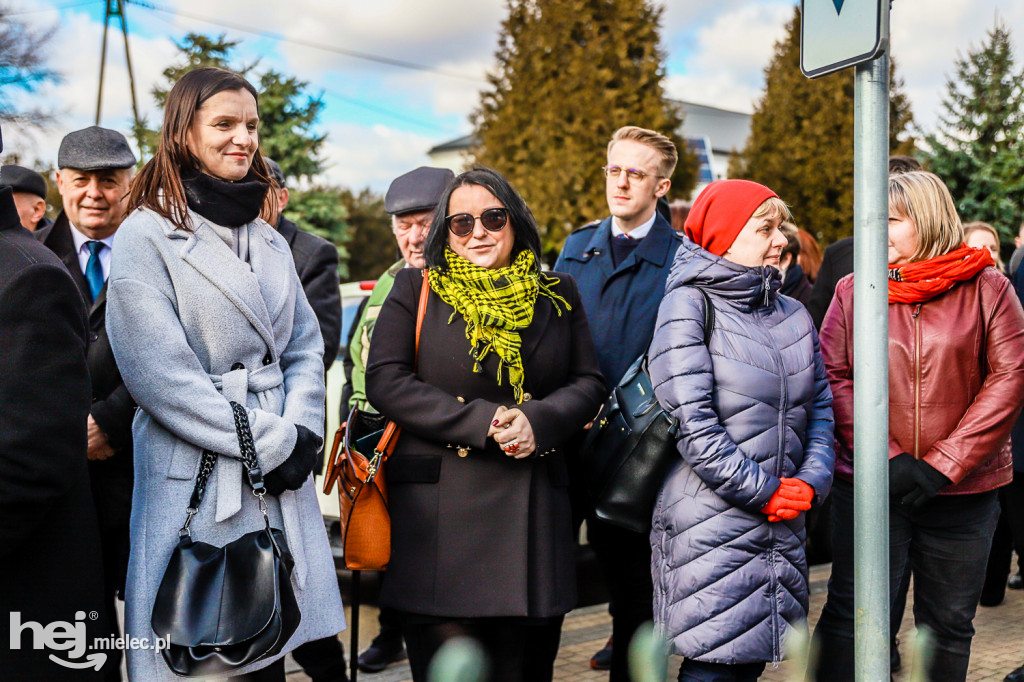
<point>998,646</point>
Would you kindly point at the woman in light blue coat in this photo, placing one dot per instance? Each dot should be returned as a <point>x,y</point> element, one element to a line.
<point>204,307</point>
<point>755,439</point>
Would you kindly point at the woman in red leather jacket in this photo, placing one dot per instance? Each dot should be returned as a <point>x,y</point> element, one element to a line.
<point>956,382</point>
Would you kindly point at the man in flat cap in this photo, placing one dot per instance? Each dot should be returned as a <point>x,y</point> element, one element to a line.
<point>410,200</point>
<point>95,167</point>
<point>29,190</point>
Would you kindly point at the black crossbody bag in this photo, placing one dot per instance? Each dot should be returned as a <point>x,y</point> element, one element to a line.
<point>631,448</point>
<point>222,608</point>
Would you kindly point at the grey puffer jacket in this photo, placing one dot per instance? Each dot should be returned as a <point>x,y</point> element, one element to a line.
<point>753,406</point>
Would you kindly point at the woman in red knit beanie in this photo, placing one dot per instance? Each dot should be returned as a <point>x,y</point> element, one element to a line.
<point>755,439</point>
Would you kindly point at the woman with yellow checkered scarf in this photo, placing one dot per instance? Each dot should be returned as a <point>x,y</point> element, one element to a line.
<point>505,378</point>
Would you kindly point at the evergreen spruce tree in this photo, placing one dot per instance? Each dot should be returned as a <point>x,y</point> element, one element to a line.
<point>372,238</point>
<point>979,146</point>
<point>801,139</point>
<point>569,73</point>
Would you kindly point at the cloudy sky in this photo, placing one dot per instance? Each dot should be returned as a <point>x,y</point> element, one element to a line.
<point>381,119</point>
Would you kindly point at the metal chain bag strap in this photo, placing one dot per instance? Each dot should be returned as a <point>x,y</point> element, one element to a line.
<point>222,608</point>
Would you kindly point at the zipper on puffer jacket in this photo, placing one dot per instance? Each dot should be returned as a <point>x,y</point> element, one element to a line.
<point>780,457</point>
<point>917,381</point>
<point>774,597</point>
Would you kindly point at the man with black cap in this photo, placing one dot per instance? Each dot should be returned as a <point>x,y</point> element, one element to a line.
<point>48,533</point>
<point>29,197</point>
<point>316,262</point>
<point>95,167</point>
<point>410,200</point>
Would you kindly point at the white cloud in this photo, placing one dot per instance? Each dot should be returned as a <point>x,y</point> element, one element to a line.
<point>725,67</point>
<point>372,156</point>
<point>74,51</point>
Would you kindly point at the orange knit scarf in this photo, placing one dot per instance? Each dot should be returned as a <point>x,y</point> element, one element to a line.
<point>924,280</point>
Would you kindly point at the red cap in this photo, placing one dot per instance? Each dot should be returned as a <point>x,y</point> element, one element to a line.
<point>721,211</point>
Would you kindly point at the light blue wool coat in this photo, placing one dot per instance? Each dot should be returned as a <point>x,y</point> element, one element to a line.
<point>754,405</point>
<point>182,309</point>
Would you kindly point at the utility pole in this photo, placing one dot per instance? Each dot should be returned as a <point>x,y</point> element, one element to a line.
<point>115,8</point>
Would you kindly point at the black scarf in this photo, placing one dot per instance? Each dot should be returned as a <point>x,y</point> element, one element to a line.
<point>231,204</point>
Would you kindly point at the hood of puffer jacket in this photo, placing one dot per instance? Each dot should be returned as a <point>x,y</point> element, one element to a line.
<point>747,288</point>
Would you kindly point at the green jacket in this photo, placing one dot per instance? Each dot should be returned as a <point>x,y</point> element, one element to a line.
<point>359,351</point>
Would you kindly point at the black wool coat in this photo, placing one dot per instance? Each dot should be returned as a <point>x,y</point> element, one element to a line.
<point>113,409</point>
<point>475,533</point>
<point>316,262</point>
<point>836,263</point>
<point>50,567</point>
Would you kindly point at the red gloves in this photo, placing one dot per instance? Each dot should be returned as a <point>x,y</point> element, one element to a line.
<point>792,497</point>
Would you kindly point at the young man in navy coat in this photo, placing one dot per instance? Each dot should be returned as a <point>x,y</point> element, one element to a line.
<point>621,264</point>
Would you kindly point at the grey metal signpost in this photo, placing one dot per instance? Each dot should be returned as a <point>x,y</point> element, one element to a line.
<point>837,34</point>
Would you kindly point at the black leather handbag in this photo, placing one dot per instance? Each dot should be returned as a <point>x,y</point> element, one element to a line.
<point>222,608</point>
<point>629,451</point>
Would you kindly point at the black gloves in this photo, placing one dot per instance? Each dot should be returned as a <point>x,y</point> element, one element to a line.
<point>294,471</point>
<point>912,482</point>
<point>901,476</point>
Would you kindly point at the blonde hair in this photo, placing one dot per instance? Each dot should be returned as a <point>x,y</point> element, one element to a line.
<point>979,226</point>
<point>924,199</point>
<point>773,207</point>
<point>662,145</point>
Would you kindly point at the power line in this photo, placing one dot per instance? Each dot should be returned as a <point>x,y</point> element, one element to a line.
<point>59,8</point>
<point>386,112</point>
<point>308,43</point>
<point>372,107</point>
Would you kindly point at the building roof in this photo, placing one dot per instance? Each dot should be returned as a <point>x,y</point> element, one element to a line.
<point>727,130</point>
<point>456,145</point>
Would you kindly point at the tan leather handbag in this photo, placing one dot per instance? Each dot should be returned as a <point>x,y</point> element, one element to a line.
<point>362,489</point>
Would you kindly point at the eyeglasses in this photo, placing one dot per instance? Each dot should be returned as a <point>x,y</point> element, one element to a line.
<point>633,174</point>
<point>462,224</point>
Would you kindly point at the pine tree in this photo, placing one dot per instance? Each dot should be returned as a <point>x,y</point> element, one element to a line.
<point>371,233</point>
<point>23,57</point>
<point>979,146</point>
<point>801,139</point>
<point>569,73</point>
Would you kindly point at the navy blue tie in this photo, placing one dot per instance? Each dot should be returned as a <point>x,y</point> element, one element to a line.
<point>93,269</point>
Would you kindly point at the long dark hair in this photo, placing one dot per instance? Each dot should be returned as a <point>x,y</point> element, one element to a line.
<point>158,185</point>
<point>520,218</point>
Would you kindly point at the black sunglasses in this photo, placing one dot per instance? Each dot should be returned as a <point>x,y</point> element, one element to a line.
<point>493,220</point>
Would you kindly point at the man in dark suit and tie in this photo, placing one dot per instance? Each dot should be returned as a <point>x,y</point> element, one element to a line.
<point>621,264</point>
<point>95,167</point>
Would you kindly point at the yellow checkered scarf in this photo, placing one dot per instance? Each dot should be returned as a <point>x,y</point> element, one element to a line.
<point>496,303</point>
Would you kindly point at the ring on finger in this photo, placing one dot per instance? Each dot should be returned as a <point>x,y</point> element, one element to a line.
<point>511,447</point>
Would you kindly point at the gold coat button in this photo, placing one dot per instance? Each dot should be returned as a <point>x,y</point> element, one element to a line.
<point>460,398</point>
<point>527,397</point>
<point>463,452</point>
